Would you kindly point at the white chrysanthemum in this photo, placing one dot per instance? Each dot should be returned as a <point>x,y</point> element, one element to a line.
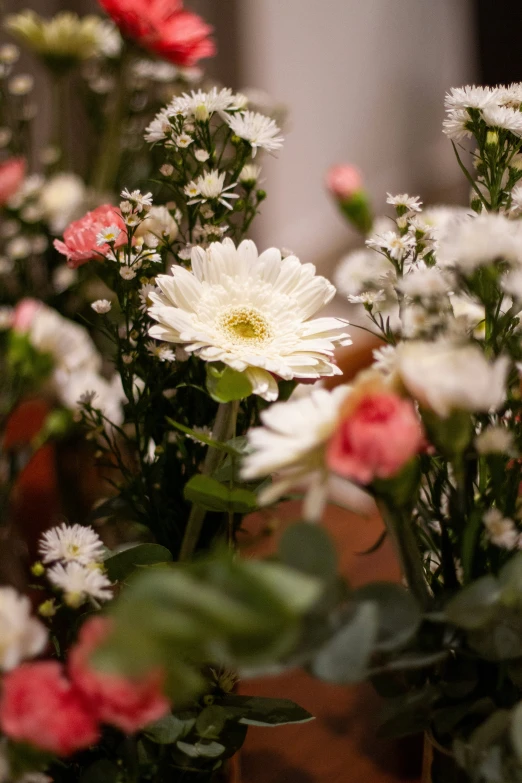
<point>359,269</point>
<point>412,203</point>
<point>202,105</point>
<point>77,543</point>
<point>62,199</point>
<point>425,283</point>
<point>160,128</point>
<point>251,312</point>
<point>101,306</point>
<point>447,377</point>
<point>260,131</point>
<point>494,440</point>
<point>470,97</point>
<point>80,582</point>
<point>107,396</point>
<point>21,635</point>
<point>469,244</point>
<point>396,245</point>
<point>501,530</point>
<point>455,126</point>
<point>210,187</point>
<point>503,117</point>
<point>292,441</point>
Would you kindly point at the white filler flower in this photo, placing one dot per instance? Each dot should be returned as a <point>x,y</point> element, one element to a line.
<point>260,131</point>
<point>79,583</point>
<point>252,312</point>
<point>21,635</point>
<point>447,377</point>
<point>71,543</point>
<point>291,443</point>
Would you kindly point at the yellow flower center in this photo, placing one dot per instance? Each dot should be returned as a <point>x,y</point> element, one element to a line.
<point>245,325</point>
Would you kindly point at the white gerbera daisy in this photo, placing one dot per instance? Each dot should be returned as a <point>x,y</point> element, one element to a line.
<point>71,542</point>
<point>210,188</point>
<point>260,131</point>
<point>250,312</point>
<point>503,117</point>
<point>291,444</point>
<point>80,582</point>
<point>21,635</point>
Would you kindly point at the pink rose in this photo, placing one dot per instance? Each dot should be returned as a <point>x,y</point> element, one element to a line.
<point>41,707</point>
<point>377,436</point>
<point>80,237</point>
<point>343,181</point>
<point>12,174</point>
<point>126,703</point>
<point>24,314</point>
<point>163,27</point>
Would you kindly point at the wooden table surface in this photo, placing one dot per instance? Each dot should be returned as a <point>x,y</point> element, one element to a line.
<point>340,745</point>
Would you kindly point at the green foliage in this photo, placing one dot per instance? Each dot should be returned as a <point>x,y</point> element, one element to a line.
<point>211,495</point>
<point>225,384</point>
<point>121,565</point>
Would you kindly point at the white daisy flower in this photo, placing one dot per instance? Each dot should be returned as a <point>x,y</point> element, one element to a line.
<point>455,126</point>
<point>359,269</point>
<point>384,359</point>
<point>159,129</point>
<point>128,272</point>
<point>80,582</point>
<point>251,312</point>
<point>412,203</point>
<point>144,294</point>
<point>501,530</point>
<point>183,140</point>
<point>512,284</point>
<point>480,241</point>
<point>425,283</point>
<point>210,187</point>
<point>291,444</point>
<point>21,635</point>
<point>259,131</point>
<point>160,351</point>
<point>470,97</point>
<point>367,297</point>
<point>71,543</point>
<point>494,440</point>
<point>503,117</point>
<point>395,245</point>
<point>137,197</point>
<point>202,105</point>
<point>516,200</point>
<point>510,96</point>
<point>101,306</point>
<point>191,190</point>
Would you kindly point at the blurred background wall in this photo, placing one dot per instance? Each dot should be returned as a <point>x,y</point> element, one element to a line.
<point>362,82</point>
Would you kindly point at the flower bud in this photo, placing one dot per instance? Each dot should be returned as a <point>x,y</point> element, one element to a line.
<point>38,569</point>
<point>344,182</point>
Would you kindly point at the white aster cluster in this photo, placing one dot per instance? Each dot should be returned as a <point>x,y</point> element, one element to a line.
<point>497,107</point>
<point>21,635</point>
<point>76,554</point>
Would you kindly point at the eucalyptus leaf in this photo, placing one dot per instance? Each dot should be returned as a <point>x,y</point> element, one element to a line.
<point>166,730</point>
<point>475,605</point>
<point>211,495</point>
<point>399,615</point>
<point>209,750</point>
<point>344,659</point>
<point>308,548</point>
<point>259,711</point>
<point>122,564</point>
<point>226,385</point>
<point>211,722</point>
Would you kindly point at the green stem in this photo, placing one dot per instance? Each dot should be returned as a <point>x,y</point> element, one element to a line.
<point>224,428</point>
<point>106,168</point>
<point>401,533</point>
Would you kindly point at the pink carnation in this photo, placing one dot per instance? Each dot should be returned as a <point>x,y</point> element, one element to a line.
<point>80,237</point>
<point>343,181</point>
<point>41,707</point>
<point>12,174</point>
<point>24,314</point>
<point>376,438</point>
<point>116,700</point>
<point>164,27</point>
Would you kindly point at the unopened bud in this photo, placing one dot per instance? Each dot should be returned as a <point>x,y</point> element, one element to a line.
<point>38,569</point>
<point>492,139</point>
<point>201,114</point>
<point>47,609</point>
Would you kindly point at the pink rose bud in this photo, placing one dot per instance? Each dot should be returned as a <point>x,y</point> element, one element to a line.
<point>24,314</point>
<point>345,183</point>
<point>12,174</point>
<point>344,180</point>
<point>41,707</point>
<point>80,238</point>
<point>164,27</point>
<point>379,433</point>
<point>119,701</point>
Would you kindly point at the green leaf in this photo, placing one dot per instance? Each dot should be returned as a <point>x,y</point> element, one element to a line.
<point>103,771</point>
<point>399,615</point>
<point>309,549</point>
<point>211,495</point>
<point>209,750</point>
<point>166,730</point>
<point>225,384</point>
<point>344,659</point>
<point>121,565</point>
<point>259,711</point>
<point>228,448</point>
<point>211,722</point>
<point>474,606</point>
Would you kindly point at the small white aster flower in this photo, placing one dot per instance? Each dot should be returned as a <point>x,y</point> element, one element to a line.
<point>183,140</point>
<point>512,284</point>
<point>159,129</point>
<point>503,117</point>
<point>144,294</point>
<point>125,207</point>
<point>494,440</point>
<point>137,197</point>
<point>455,126</point>
<point>479,241</point>
<point>202,155</point>
<point>108,235</point>
<point>501,530</point>
<point>80,582</point>
<point>412,203</point>
<point>101,306</point>
<point>185,253</point>
<point>360,269</point>
<point>470,97</point>
<point>191,190</point>
<point>211,187</point>
<point>77,543</point>
<point>367,297</point>
<point>21,635</point>
<point>425,283</point>
<point>510,96</point>
<point>202,105</point>
<point>397,246</point>
<point>128,272</point>
<point>249,174</point>
<point>161,351</point>
<point>516,200</point>
<point>384,359</point>
<point>259,131</point>
<point>252,312</point>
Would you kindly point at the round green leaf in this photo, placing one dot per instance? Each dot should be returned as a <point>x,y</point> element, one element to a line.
<point>309,549</point>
